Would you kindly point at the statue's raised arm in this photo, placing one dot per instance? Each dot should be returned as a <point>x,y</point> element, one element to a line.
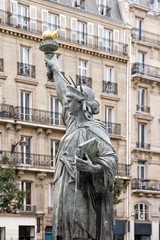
<point>59,80</point>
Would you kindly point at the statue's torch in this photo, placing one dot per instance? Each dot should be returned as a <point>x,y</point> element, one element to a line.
<point>49,45</point>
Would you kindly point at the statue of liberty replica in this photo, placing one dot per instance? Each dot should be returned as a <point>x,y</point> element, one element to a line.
<point>85,162</point>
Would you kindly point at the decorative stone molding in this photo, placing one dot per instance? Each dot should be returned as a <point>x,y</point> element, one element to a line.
<point>48,131</point>
<point>41,176</point>
<point>18,127</point>
<point>39,130</point>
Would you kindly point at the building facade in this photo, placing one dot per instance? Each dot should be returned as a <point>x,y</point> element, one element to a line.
<point>111,46</point>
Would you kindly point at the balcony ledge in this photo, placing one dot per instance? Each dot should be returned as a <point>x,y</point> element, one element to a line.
<point>110,97</point>
<point>143,116</point>
<point>26,80</point>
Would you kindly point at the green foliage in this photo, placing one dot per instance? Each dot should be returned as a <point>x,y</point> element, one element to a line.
<point>118,185</point>
<point>11,197</point>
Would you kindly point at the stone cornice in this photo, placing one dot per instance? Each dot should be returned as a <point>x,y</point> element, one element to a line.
<point>26,80</point>
<point>65,45</point>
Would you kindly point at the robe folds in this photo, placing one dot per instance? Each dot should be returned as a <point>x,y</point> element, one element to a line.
<point>86,213</point>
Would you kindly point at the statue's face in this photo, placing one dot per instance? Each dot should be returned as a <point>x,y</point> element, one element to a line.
<point>74,106</point>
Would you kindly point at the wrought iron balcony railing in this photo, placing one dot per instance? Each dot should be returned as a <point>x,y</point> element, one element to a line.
<point>84,80</point>
<point>145,184</point>
<point>37,116</point>
<point>28,208</point>
<point>20,159</point>
<point>140,68</point>
<point>145,36</point>
<point>123,170</point>
<point>65,34</point>
<point>1,65</point>
<point>113,128</point>
<point>143,145</point>
<point>110,87</point>
<point>6,110</point>
<point>26,70</point>
<point>142,108</point>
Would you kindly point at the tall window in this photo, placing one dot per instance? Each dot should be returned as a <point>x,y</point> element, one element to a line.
<point>82,68</point>
<point>23,16</point>
<point>25,102</point>
<point>26,186</point>
<point>141,134</point>
<point>52,21</point>
<point>141,60</point>
<point>104,8</point>
<point>108,74</point>
<point>55,111</point>
<point>82,32</point>
<point>141,170</point>
<point>109,118</point>
<point>141,212</point>
<point>25,61</point>
<point>138,26</point>
<point>141,99</point>
<point>54,148</point>
<point>108,39</point>
<point>26,151</point>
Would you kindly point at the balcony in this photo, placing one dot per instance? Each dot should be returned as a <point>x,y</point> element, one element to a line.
<point>37,116</point>
<point>145,184</point>
<point>26,70</point>
<point>140,68</point>
<point>110,87</point>
<point>123,170</point>
<point>113,128</point>
<point>143,145</point>
<point>28,208</point>
<point>1,65</point>
<point>84,80</point>
<point>145,36</point>
<point>65,34</point>
<point>141,108</point>
<point>20,159</point>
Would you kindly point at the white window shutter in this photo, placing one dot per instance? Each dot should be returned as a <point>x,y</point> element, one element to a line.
<point>116,41</point>
<point>33,18</point>
<point>2,13</point>
<point>90,34</point>
<point>100,37</point>
<point>73,29</point>
<point>2,4</point>
<point>14,15</point>
<point>44,20</point>
<point>62,33</point>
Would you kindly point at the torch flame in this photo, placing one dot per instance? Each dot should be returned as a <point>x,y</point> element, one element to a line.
<point>50,34</point>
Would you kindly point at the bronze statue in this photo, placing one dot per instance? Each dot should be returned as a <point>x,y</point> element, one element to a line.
<point>85,166</point>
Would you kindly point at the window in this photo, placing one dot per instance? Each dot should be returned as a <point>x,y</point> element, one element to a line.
<point>55,111</point>
<point>50,197</point>
<point>82,32</point>
<point>141,60</point>
<point>49,21</point>
<point>26,151</point>
<point>141,212</point>
<point>23,16</point>
<point>2,233</point>
<point>26,186</point>
<point>54,148</point>
<point>141,134</point>
<point>142,100</point>
<point>26,232</point>
<point>104,8</point>
<point>25,61</point>
<point>108,39</point>
<point>82,68</point>
<point>138,26</point>
<point>109,118</point>
<point>78,3</point>
<point>108,74</point>
<point>25,102</point>
<point>141,170</point>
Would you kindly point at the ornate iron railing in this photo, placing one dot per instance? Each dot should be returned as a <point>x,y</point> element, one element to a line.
<point>145,184</point>
<point>1,65</point>
<point>26,159</point>
<point>26,70</point>
<point>110,87</point>
<point>65,34</point>
<point>37,116</point>
<point>113,128</point>
<point>123,170</point>
<point>84,80</point>
<point>140,68</point>
<point>6,110</point>
<point>142,108</point>
<point>145,36</point>
<point>143,145</point>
